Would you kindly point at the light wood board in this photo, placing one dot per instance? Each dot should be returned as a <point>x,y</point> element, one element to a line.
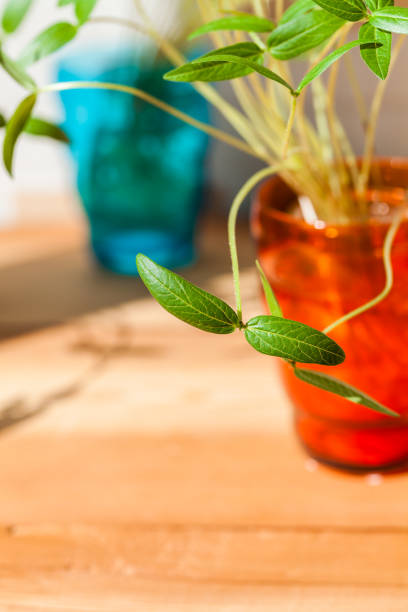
<point>153,467</point>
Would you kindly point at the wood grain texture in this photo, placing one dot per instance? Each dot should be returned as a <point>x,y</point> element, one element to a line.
<point>213,480</point>
<point>109,594</point>
<point>218,555</point>
<point>86,567</point>
<point>152,467</point>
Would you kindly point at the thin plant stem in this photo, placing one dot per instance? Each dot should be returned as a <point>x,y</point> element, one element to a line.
<point>221,39</point>
<point>363,115</point>
<point>258,40</point>
<point>260,8</point>
<point>233,116</point>
<point>389,275</point>
<point>356,91</point>
<point>232,221</point>
<point>319,107</point>
<point>278,9</point>
<point>373,121</point>
<point>349,156</point>
<point>133,91</point>
<point>273,119</point>
<point>256,106</point>
<point>289,127</point>
<point>311,154</point>
<point>176,58</point>
<point>271,93</point>
<point>340,170</point>
<point>250,106</point>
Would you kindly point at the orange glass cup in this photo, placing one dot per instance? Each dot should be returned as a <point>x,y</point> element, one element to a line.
<point>319,275</point>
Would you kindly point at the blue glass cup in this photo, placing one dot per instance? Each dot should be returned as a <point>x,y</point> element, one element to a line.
<point>140,171</point>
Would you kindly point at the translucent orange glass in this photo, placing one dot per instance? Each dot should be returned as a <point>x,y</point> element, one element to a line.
<point>319,275</point>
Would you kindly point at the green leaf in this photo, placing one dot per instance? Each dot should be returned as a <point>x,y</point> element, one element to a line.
<point>14,13</point>
<point>377,58</point>
<point>338,387</point>
<point>374,5</point>
<point>304,32</point>
<point>14,128</point>
<point>186,301</point>
<point>243,49</point>
<point>65,2</point>
<point>300,7</point>
<point>246,22</point>
<point>2,121</point>
<point>273,304</point>
<point>47,42</point>
<point>391,19</point>
<point>292,340</point>
<point>211,71</point>
<point>329,60</point>
<point>254,66</point>
<point>40,127</point>
<point>350,10</point>
<point>83,9</point>
<point>200,70</point>
<point>16,71</point>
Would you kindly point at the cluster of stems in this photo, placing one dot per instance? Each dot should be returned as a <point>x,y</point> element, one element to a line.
<point>272,123</point>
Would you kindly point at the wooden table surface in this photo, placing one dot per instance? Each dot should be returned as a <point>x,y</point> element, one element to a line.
<point>147,466</point>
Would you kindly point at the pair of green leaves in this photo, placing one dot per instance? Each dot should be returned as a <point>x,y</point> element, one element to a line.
<point>383,14</point>
<point>243,58</point>
<point>271,335</point>
<point>15,12</point>
<point>210,67</point>
<point>59,34</point>
<point>307,24</point>
<point>224,64</point>
<point>46,42</point>
<point>232,61</point>
<point>303,26</point>
<point>383,19</point>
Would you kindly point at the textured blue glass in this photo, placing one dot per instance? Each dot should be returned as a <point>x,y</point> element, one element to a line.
<point>140,172</point>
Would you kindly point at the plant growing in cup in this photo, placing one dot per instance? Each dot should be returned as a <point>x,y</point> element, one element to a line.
<point>325,227</point>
